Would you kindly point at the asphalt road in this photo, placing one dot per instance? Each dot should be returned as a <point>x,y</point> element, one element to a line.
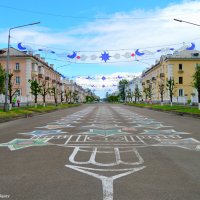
<point>101,152</point>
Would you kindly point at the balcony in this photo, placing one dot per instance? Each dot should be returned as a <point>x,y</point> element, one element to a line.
<point>40,75</point>
<point>180,71</point>
<point>34,73</point>
<point>162,75</point>
<point>47,78</point>
<point>148,81</point>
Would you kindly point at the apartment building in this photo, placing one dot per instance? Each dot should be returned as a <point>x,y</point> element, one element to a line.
<point>25,66</point>
<point>179,66</point>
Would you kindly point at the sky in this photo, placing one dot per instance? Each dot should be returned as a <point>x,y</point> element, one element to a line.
<point>102,35</point>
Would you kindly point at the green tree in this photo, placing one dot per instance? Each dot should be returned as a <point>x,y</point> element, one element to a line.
<point>137,94</point>
<point>148,91</point>
<point>11,91</point>
<point>74,96</point>
<point>161,89</point>
<point>2,79</point>
<point>196,82</point>
<point>44,90</point>
<point>54,92</point>
<point>35,90</point>
<point>70,96</point>
<point>129,95</point>
<point>122,87</point>
<point>171,88</point>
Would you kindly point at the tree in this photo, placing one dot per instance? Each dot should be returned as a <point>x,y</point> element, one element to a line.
<point>35,90</point>
<point>70,96</point>
<point>61,96</point>
<point>161,89</point>
<point>66,94</point>
<point>137,94</point>
<point>170,87</point>
<point>145,90</point>
<point>121,87</point>
<point>74,96</point>
<point>44,91</point>
<point>89,98</point>
<point>11,91</point>
<point>54,92</point>
<point>196,82</point>
<point>129,95</point>
<point>148,91</point>
<point>2,79</point>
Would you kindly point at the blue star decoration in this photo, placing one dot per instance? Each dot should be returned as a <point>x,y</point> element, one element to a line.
<point>105,56</point>
<point>103,78</point>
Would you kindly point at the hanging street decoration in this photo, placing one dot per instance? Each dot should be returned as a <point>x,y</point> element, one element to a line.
<point>106,56</point>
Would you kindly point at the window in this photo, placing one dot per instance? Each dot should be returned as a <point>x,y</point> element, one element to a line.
<point>180,66</point>
<point>17,80</point>
<point>180,80</point>
<point>17,66</point>
<point>180,92</point>
<point>18,92</point>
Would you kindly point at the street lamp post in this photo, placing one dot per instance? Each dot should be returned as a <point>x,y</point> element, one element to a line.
<point>179,20</point>
<point>6,105</point>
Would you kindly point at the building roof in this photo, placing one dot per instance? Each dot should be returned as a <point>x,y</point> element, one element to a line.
<point>182,55</point>
<point>16,53</point>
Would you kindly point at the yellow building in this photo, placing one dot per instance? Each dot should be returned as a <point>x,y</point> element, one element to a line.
<point>179,66</point>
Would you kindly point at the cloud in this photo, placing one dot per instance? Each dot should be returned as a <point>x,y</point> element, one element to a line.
<point>136,29</point>
<point>102,82</point>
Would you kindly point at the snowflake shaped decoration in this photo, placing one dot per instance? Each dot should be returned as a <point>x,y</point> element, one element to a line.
<point>103,78</point>
<point>105,56</point>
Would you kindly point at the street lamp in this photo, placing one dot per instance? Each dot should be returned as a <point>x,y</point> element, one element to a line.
<point>179,20</point>
<point>6,107</point>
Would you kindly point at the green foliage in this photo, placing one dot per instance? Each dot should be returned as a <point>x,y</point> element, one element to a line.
<point>161,88</point>
<point>54,93</point>
<point>121,87</point>
<point>171,87</point>
<point>113,98</point>
<point>35,89</point>
<point>137,94</point>
<point>44,90</point>
<point>2,79</point>
<point>90,99</point>
<point>196,80</point>
<point>148,91</point>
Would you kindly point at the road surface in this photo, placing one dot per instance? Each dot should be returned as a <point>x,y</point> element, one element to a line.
<point>101,152</point>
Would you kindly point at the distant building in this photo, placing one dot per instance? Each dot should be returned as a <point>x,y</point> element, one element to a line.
<point>179,66</point>
<point>131,87</point>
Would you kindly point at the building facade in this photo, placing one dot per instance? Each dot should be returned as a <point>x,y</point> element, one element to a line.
<point>133,89</point>
<point>179,67</point>
<point>25,66</point>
